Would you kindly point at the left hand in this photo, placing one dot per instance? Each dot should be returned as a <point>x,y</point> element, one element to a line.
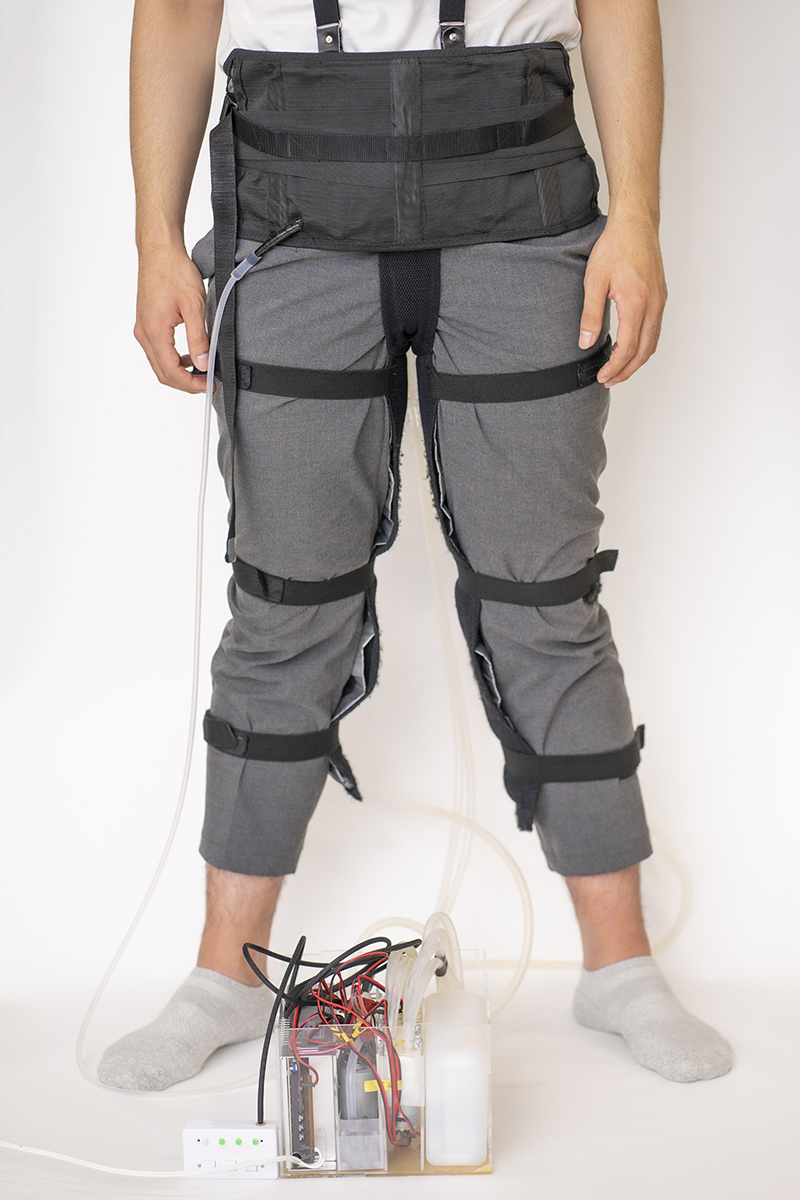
<point>625,265</point>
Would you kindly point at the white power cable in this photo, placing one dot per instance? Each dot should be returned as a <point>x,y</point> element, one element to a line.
<point>83,1162</point>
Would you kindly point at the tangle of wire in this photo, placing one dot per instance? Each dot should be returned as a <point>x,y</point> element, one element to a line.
<point>349,1004</point>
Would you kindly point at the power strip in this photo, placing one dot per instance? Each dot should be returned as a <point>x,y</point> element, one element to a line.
<point>210,1146</point>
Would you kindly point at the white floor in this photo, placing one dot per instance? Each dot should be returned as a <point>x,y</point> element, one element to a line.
<point>574,1116</point>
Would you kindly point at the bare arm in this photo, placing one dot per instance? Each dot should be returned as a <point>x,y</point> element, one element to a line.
<point>621,49</point>
<point>173,50</point>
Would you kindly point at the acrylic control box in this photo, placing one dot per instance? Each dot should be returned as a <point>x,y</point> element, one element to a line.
<point>354,1101</point>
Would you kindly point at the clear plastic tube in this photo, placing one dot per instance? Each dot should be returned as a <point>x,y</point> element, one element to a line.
<point>398,967</point>
<point>439,925</point>
<point>460,841</point>
<point>239,272</point>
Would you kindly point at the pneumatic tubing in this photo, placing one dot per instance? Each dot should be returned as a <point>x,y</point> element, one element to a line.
<point>238,273</point>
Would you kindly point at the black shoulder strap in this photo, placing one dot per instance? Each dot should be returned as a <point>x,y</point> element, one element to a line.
<point>329,25</point>
<point>452,15</point>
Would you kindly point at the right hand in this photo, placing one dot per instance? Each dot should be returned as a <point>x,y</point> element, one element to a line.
<point>171,293</point>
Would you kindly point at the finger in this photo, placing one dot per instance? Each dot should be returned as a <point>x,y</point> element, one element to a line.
<point>631,318</point>
<point>595,288</point>
<point>157,341</point>
<point>648,341</point>
<point>194,318</point>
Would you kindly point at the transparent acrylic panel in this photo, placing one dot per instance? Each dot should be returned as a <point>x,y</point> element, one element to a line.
<point>351,1104</point>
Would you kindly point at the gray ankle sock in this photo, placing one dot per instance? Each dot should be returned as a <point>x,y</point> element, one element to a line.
<point>633,998</point>
<point>208,1010</point>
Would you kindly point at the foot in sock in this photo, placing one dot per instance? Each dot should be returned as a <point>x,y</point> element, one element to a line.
<point>208,1010</point>
<point>633,998</point>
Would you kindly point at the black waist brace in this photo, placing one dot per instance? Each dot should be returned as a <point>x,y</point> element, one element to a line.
<point>407,150</point>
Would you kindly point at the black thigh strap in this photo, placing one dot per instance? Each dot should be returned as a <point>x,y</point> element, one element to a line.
<point>508,388</point>
<point>299,591</point>
<point>537,595</point>
<point>270,747</point>
<point>313,385</point>
<point>405,147</point>
<point>576,768</point>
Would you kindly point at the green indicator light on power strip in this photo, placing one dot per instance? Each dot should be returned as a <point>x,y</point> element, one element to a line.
<point>238,1141</point>
<point>255,1141</point>
<point>222,1141</point>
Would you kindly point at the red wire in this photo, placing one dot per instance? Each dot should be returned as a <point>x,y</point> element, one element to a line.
<point>331,994</point>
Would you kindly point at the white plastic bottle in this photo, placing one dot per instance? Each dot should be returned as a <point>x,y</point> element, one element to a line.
<point>456,1041</point>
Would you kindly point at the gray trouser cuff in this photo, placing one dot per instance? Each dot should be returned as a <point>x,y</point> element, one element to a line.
<point>610,811</point>
<point>257,820</point>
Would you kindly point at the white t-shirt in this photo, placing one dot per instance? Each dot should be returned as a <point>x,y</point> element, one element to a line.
<point>380,25</point>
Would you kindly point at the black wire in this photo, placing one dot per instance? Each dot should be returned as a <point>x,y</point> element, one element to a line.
<point>331,968</point>
<point>293,995</point>
<point>288,980</point>
<point>246,948</point>
<point>284,958</point>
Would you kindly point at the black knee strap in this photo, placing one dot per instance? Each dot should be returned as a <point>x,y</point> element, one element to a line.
<point>537,595</point>
<point>513,387</point>
<point>270,747</point>
<point>576,768</point>
<point>299,591</point>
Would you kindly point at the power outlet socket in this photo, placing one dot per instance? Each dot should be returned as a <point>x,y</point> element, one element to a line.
<point>211,1145</point>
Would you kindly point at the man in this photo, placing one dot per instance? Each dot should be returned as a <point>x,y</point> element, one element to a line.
<point>498,311</point>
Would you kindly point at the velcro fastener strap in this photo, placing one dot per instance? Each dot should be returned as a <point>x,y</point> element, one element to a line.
<point>538,595</point>
<point>270,747</point>
<point>313,385</point>
<point>514,387</point>
<point>299,591</point>
<point>576,768</point>
<point>405,147</point>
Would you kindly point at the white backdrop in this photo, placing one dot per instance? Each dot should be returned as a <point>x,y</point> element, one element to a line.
<point>99,476</point>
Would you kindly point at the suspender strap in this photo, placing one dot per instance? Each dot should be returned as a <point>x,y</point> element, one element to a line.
<point>523,385</point>
<point>298,591</point>
<point>576,768</point>
<point>270,747</point>
<point>546,594</point>
<point>314,385</point>
<point>223,174</point>
<point>451,23</point>
<point>329,25</point>
<point>406,147</point>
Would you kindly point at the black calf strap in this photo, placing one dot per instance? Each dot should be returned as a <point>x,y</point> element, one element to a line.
<point>576,768</point>
<point>537,595</point>
<point>407,147</point>
<point>508,388</point>
<point>270,747</point>
<point>298,591</point>
<point>313,385</point>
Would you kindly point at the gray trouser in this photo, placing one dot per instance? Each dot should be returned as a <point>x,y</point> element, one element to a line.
<point>312,482</point>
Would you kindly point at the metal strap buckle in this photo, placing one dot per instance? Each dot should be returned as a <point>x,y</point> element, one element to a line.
<point>329,37</point>
<point>451,35</point>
